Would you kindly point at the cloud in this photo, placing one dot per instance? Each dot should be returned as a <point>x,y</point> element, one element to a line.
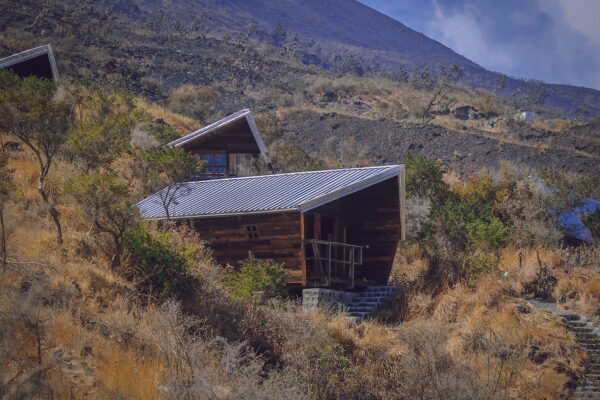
<point>556,41</point>
<point>582,15</point>
<point>463,33</point>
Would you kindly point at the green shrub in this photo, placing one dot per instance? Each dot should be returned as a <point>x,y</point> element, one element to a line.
<point>480,264</point>
<point>255,277</point>
<point>459,233</point>
<point>155,266</point>
<point>163,132</point>
<point>424,178</point>
<point>487,232</point>
<point>466,223</point>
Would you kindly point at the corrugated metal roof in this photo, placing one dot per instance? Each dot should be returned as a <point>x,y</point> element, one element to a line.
<point>300,191</point>
<point>28,55</point>
<point>245,113</point>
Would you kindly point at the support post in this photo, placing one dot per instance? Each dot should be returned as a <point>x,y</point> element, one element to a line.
<point>352,269</point>
<point>329,263</point>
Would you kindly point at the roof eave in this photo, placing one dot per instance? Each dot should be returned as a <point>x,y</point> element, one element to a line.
<point>209,128</point>
<point>391,172</point>
<point>30,54</point>
<point>257,137</point>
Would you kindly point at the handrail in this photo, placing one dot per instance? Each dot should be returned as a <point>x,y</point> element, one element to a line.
<point>351,256</point>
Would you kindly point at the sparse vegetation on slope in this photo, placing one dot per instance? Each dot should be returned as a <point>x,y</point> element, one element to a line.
<point>165,322</point>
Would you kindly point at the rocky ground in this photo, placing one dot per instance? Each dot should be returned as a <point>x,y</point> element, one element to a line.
<point>468,150</point>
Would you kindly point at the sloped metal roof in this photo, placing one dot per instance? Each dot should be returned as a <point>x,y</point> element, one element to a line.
<point>245,114</point>
<point>30,54</point>
<point>300,191</point>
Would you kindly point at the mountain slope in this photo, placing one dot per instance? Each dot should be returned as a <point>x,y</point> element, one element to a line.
<point>382,42</point>
<point>350,23</point>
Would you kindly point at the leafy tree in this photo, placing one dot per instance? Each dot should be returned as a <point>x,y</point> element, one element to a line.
<point>98,143</point>
<point>107,202</point>
<point>106,131</point>
<point>531,95</point>
<point>440,86</point>
<point>32,111</point>
<point>6,187</point>
<point>171,169</point>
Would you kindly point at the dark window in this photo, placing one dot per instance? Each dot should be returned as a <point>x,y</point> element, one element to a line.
<point>252,232</point>
<point>215,165</point>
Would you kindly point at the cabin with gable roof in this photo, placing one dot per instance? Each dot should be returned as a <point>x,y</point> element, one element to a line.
<point>38,62</point>
<point>334,229</point>
<point>230,147</point>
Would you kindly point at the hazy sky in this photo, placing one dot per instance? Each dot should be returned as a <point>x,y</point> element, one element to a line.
<point>557,41</point>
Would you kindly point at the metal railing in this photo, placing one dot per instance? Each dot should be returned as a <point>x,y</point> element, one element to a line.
<point>335,262</point>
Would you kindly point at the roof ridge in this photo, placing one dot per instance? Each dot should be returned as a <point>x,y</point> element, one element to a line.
<point>41,48</point>
<point>229,118</point>
<point>296,173</point>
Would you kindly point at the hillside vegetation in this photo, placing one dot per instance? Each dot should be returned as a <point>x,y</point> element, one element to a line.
<point>195,68</point>
<point>117,307</point>
<point>95,303</point>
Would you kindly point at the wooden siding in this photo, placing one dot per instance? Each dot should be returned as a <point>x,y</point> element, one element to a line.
<point>236,137</point>
<point>374,220</point>
<point>370,218</point>
<point>280,239</point>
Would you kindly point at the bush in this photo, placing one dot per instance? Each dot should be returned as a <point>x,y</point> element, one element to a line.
<point>424,178</point>
<point>458,232</point>
<point>487,232</point>
<point>467,224</point>
<point>155,266</point>
<point>163,132</point>
<point>256,277</point>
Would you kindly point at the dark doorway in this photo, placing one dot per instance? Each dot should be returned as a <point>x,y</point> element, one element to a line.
<point>328,229</point>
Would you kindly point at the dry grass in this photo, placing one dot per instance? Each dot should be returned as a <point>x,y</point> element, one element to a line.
<point>129,372</point>
<point>180,123</point>
<point>98,338</point>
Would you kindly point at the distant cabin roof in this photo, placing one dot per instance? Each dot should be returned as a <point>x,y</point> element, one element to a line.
<point>301,191</point>
<point>222,124</point>
<point>38,61</point>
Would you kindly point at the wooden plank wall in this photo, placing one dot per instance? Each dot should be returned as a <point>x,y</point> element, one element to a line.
<point>280,239</point>
<point>372,217</point>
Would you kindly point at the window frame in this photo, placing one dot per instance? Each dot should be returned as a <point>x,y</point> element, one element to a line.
<point>210,168</point>
<point>252,232</point>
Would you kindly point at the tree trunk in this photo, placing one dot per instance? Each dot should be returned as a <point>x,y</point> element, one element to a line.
<point>3,238</point>
<point>53,212</point>
<point>116,258</point>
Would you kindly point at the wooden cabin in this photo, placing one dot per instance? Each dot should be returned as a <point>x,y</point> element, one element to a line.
<point>38,62</point>
<point>337,228</point>
<point>229,147</point>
